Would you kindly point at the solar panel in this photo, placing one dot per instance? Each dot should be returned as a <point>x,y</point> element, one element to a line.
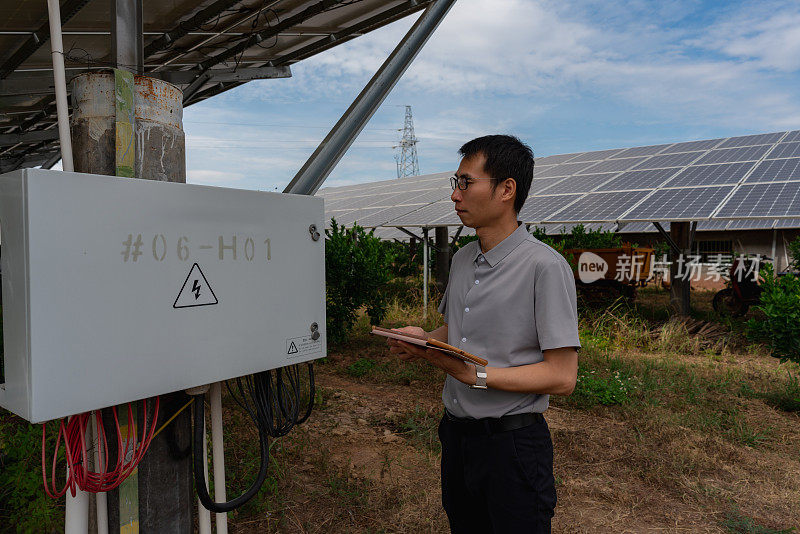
<point>680,204</point>
<point>537,208</point>
<point>581,183</point>
<point>597,207</point>
<point>565,169</point>
<point>385,215</point>
<point>751,224</point>
<point>423,216</point>
<point>792,136</point>
<point>775,170</point>
<point>382,200</point>
<point>669,160</point>
<point>355,202</point>
<point>763,200</point>
<point>430,195</point>
<point>640,227</point>
<point>745,153</point>
<point>640,151</point>
<point>785,150</point>
<point>334,203</point>
<point>691,146</point>
<point>787,223</point>
<point>603,185</point>
<point>539,184</point>
<point>749,140</point>
<point>556,159</point>
<point>613,165</point>
<point>723,173</point>
<point>649,227</point>
<point>596,155</point>
<point>649,179</point>
<point>707,226</point>
<point>450,219</point>
<point>355,216</point>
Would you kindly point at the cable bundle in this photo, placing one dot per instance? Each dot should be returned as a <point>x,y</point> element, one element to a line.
<point>79,476</point>
<point>274,405</point>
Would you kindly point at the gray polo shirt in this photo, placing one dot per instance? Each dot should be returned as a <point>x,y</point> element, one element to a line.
<point>507,305</point>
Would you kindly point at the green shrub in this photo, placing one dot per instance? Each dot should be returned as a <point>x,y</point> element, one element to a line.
<point>794,252</point>
<point>356,269</point>
<point>405,262</point>
<point>578,237</point>
<point>24,506</point>
<point>780,326</point>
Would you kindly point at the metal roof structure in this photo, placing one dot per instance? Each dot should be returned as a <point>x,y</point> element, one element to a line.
<point>204,47</point>
<point>746,182</point>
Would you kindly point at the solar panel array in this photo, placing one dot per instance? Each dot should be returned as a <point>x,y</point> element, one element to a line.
<point>722,183</point>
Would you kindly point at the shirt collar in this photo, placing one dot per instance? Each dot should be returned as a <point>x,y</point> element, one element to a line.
<point>504,247</point>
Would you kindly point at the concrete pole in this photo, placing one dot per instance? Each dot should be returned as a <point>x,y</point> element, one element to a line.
<point>679,289</point>
<point>442,267</point>
<point>164,481</point>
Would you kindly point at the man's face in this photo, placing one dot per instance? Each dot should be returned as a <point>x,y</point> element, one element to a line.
<point>478,205</point>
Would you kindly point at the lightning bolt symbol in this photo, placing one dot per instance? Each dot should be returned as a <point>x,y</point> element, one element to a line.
<point>196,289</point>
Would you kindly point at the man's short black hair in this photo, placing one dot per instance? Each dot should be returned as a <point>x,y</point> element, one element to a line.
<point>506,157</point>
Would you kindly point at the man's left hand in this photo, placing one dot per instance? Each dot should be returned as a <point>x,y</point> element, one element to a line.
<point>458,369</point>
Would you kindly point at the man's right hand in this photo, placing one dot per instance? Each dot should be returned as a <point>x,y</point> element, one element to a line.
<point>395,347</point>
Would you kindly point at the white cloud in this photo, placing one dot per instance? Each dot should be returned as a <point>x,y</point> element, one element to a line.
<point>634,52</point>
<point>768,35</point>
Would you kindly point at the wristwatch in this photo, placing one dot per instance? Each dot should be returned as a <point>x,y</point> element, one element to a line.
<point>480,378</point>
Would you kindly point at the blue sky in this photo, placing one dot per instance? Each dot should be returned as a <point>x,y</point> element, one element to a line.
<point>565,76</point>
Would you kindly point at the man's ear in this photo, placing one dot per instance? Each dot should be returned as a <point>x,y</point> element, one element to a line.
<point>509,189</point>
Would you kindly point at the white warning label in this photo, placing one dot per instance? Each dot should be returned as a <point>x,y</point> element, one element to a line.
<point>297,347</point>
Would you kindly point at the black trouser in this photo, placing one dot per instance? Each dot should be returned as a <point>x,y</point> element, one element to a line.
<point>497,482</point>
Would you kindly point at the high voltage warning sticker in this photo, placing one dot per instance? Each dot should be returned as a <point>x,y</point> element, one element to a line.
<point>196,291</point>
<point>300,346</point>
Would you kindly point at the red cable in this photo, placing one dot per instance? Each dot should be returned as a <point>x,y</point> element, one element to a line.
<point>74,434</point>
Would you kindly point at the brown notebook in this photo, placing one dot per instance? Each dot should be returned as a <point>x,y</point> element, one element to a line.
<point>430,343</point>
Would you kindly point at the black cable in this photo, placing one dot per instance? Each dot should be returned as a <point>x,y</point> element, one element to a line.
<point>274,404</point>
<point>200,462</point>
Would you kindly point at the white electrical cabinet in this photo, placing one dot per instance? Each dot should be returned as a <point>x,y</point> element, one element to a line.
<point>116,289</point>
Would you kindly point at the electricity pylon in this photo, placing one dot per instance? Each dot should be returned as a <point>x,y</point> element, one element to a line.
<point>407,164</point>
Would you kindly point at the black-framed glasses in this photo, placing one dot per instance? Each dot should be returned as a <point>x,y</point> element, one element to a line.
<point>462,182</point>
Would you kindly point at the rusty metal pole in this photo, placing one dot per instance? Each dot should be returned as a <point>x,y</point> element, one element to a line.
<point>165,502</point>
<point>679,288</point>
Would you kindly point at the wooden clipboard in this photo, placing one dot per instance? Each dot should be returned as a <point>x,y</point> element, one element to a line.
<point>422,341</point>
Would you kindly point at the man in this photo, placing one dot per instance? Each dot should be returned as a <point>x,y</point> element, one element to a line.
<point>510,299</point>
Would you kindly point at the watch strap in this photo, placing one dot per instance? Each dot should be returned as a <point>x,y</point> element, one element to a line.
<point>480,377</point>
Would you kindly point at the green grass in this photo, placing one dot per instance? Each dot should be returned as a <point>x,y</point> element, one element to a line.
<point>702,396</point>
<point>737,523</point>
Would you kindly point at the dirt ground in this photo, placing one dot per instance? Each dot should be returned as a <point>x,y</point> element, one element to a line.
<point>353,467</point>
